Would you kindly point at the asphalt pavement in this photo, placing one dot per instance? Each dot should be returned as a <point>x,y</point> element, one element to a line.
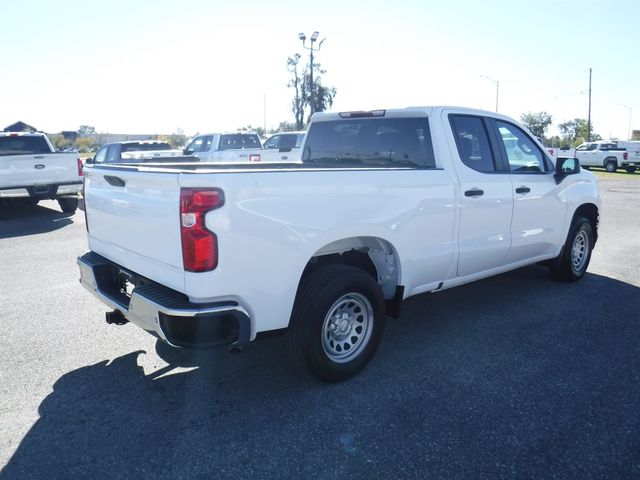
<point>516,376</point>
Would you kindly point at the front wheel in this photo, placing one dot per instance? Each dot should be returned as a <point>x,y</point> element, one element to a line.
<point>68,204</point>
<point>572,263</point>
<point>337,322</point>
<point>630,169</point>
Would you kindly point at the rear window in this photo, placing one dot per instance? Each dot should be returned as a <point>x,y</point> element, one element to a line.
<point>145,147</point>
<point>370,142</point>
<point>23,145</point>
<point>239,140</point>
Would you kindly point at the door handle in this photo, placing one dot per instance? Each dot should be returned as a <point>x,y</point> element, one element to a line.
<point>523,190</point>
<point>114,181</point>
<point>38,157</point>
<point>474,192</point>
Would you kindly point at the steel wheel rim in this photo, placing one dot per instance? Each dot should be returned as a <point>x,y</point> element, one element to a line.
<point>347,327</point>
<point>579,251</point>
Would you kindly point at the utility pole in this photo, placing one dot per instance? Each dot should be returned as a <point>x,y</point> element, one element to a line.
<point>497,82</point>
<point>589,117</point>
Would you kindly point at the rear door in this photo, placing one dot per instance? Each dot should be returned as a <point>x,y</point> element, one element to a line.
<point>133,219</point>
<point>486,199</point>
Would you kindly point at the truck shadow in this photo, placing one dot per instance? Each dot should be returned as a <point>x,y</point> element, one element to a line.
<point>514,376</point>
<point>19,220</point>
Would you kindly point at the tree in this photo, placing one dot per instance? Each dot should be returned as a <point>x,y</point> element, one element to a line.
<point>86,130</point>
<point>574,132</point>
<point>287,127</point>
<point>296,82</point>
<point>537,123</point>
<point>59,142</point>
<point>322,95</point>
<point>84,143</point>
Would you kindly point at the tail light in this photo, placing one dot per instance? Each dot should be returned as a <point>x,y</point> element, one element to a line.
<point>625,155</point>
<point>199,245</point>
<point>80,168</point>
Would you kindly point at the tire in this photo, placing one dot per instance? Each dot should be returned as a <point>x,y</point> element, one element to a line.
<point>68,205</point>
<point>630,169</point>
<point>611,166</point>
<point>337,322</point>
<point>572,263</point>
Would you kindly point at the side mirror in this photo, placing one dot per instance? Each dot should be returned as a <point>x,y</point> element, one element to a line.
<point>284,150</point>
<point>187,151</point>
<point>566,166</point>
<point>89,161</point>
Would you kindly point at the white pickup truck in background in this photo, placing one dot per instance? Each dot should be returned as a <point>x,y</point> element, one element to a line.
<point>608,155</point>
<point>240,147</point>
<point>31,170</point>
<point>383,206</point>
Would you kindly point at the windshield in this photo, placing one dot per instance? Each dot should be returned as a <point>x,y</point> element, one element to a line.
<point>23,145</point>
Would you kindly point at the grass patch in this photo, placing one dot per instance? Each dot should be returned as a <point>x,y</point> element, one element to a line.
<point>620,174</point>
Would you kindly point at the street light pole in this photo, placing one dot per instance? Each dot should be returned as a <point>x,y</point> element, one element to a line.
<point>312,40</point>
<point>630,113</point>
<point>497,82</point>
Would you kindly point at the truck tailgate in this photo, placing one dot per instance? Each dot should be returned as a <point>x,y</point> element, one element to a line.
<point>41,169</point>
<point>133,219</point>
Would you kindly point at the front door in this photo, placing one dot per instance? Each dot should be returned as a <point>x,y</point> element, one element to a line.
<point>486,199</point>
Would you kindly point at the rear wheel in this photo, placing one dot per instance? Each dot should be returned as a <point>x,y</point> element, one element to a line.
<point>68,204</point>
<point>572,263</point>
<point>630,169</point>
<point>337,322</point>
<point>611,166</point>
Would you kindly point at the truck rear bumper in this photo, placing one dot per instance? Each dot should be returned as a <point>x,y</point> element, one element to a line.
<point>161,311</point>
<point>41,191</point>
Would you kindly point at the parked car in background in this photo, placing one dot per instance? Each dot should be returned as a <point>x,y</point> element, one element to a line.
<point>31,170</point>
<point>134,151</point>
<point>607,155</point>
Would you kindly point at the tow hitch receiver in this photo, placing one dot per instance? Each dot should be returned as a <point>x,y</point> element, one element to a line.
<point>116,318</point>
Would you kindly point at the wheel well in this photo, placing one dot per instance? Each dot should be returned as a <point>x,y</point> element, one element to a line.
<point>611,159</point>
<point>590,212</point>
<point>373,255</point>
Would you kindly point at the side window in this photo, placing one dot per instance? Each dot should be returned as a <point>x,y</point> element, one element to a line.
<point>114,154</point>
<point>101,155</point>
<point>287,141</point>
<point>206,143</point>
<point>473,143</point>
<point>522,153</point>
<point>272,142</point>
<point>195,145</point>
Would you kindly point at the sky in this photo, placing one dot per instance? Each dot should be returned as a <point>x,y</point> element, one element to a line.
<point>160,67</point>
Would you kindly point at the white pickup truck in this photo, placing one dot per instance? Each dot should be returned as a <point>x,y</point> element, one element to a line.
<point>607,155</point>
<point>239,147</point>
<point>31,170</point>
<point>385,205</point>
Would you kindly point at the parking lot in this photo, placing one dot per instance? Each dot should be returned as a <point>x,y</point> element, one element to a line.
<point>516,376</point>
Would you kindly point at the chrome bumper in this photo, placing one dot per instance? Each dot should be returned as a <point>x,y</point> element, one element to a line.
<point>162,312</point>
